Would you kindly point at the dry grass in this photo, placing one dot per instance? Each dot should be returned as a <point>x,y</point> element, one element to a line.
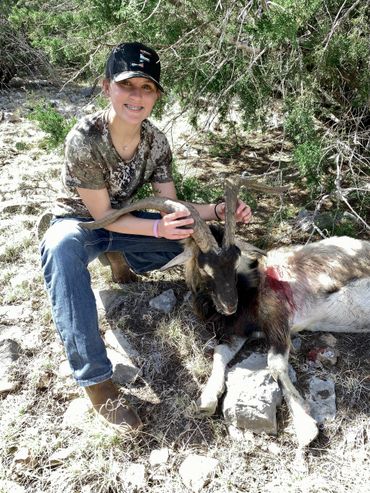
<point>175,361</point>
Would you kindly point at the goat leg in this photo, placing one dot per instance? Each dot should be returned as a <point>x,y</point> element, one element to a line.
<point>304,425</point>
<point>223,354</point>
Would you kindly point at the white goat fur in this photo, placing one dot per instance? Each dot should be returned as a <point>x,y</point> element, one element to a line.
<point>329,282</point>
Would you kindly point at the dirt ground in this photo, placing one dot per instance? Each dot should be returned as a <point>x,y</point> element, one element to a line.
<point>173,349</point>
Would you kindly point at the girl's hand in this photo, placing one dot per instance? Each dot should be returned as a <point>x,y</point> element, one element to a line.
<point>171,225</point>
<point>243,213</point>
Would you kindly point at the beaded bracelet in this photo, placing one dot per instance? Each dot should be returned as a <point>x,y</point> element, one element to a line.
<point>155,228</point>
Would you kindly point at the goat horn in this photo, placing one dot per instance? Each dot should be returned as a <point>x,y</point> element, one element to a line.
<point>201,235</point>
<point>232,186</point>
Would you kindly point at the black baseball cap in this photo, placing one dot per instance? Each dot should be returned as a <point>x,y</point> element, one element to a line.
<point>128,60</point>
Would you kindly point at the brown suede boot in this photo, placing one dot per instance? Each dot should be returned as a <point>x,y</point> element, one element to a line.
<point>113,408</point>
<point>121,272</point>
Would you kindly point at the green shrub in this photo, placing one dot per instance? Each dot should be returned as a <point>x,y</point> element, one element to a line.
<point>53,123</point>
<point>189,189</point>
<point>308,158</point>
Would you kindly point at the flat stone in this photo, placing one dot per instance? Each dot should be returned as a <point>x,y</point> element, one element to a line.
<point>159,456</point>
<point>9,353</point>
<point>322,399</point>
<point>76,413</point>
<point>165,302</point>
<point>108,300</point>
<point>64,369</point>
<point>60,456</point>
<point>7,386</point>
<point>116,340</point>
<point>197,470</point>
<point>15,313</point>
<point>11,487</point>
<point>124,371</point>
<point>252,396</point>
<point>135,475</point>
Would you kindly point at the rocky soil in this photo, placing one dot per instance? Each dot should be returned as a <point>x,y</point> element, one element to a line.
<point>50,440</point>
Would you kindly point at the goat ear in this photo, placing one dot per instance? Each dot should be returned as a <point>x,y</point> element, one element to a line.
<point>179,260</point>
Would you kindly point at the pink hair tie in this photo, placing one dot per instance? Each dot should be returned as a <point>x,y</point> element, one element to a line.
<point>155,228</point>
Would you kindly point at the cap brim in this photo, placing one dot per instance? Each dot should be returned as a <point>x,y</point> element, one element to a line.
<point>131,75</point>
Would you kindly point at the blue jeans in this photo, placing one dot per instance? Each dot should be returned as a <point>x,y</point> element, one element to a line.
<point>66,250</point>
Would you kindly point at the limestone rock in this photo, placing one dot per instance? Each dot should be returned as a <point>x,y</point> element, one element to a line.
<point>11,486</point>
<point>135,475</point>
<point>64,369</point>
<point>252,396</point>
<point>124,371</point>
<point>15,313</point>
<point>116,340</point>
<point>197,470</point>
<point>60,456</point>
<point>108,300</point>
<point>322,399</point>
<point>76,413</point>
<point>165,302</point>
<point>9,353</point>
<point>159,456</point>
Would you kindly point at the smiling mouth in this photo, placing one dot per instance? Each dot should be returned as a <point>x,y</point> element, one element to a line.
<point>133,108</point>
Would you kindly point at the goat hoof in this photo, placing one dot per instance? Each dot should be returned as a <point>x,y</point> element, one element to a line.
<point>206,407</point>
<point>306,431</point>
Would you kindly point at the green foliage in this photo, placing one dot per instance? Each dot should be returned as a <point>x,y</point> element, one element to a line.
<point>52,122</point>
<point>218,56</point>
<point>308,153</point>
<point>308,158</point>
<point>189,189</point>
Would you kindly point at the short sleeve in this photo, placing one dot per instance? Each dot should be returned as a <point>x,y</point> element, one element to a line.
<point>81,166</point>
<point>162,156</point>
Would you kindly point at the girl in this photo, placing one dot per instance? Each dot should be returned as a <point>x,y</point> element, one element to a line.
<point>108,157</point>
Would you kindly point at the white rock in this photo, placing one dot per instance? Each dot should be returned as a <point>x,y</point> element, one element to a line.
<point>64,369</point>
<point>159,456</point>
<point>7,385</point>
<point>135,475</point>
<point>322,399</point>
<point>197,470</point>
<point>108,300</point>
<point>124,371</point>
<point>22,455</point>
<point>60,456</point>
<point>15,312</point>
<point>11,487</point>
<point>252,396</point>
<point>236,434</point>
<point>116,340</point>
<point>76,413</point>
<point>165,302</point>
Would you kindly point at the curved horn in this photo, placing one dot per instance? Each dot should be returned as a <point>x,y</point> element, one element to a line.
<point>202,234</point>
<point>232,186</point>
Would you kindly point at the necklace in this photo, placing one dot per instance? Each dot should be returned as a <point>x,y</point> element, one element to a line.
<point>126,146</point>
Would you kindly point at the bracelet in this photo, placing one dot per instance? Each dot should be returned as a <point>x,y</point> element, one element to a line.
<point>155,228</point>
<point>218,217</point>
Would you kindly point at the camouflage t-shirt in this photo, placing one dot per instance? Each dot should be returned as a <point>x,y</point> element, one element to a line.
<point>91,161</point>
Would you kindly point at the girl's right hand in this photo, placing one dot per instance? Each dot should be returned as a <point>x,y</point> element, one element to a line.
<point>171,226</point>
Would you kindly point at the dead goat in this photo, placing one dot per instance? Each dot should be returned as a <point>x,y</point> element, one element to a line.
<point>321,286</point>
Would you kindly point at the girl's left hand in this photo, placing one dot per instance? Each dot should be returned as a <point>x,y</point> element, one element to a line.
<point>243,213</point>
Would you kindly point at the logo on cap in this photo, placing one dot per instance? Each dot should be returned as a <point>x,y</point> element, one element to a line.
<point>143,59</point>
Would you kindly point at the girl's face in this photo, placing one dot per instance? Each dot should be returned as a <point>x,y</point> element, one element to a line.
<point>132,99</point>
